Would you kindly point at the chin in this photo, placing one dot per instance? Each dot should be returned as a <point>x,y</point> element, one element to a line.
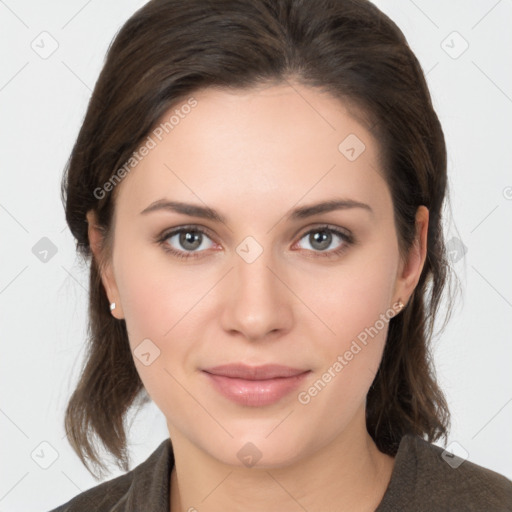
<point>256,450</point>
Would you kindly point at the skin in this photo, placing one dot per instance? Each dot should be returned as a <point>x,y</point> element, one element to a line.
<point>254,155</point>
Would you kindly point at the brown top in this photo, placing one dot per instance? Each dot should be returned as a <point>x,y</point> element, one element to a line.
<point>422,480</point>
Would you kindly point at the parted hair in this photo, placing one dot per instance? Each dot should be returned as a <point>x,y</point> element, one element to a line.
<point>170,48</point>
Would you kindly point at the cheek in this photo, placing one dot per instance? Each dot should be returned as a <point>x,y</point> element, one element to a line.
<point>156,294</point>
<point>338,387</point>
<point>356,305</point>
<point>155,310</point>
<point>352,297</point>
<point>143,300</point>
<point>161,305</point>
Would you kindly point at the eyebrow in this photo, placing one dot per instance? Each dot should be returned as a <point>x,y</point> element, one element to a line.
<point>302,212</point>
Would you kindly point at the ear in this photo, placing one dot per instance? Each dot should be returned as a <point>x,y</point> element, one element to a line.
<point>410,270</point>
<point>96,236</point>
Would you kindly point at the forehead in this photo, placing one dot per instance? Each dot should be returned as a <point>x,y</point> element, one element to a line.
<point>270,144</point>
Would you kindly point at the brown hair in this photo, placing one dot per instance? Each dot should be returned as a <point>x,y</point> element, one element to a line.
<point>170,48</point>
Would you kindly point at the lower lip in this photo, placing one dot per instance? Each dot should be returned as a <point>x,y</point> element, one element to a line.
<point>255,393</point>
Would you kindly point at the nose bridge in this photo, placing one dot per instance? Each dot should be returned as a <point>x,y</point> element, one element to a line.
<point>253,273</point>
<point>258,302</point>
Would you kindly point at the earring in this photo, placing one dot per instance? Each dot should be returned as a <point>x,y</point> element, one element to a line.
<point>401,306</point>
<point>112,306</point>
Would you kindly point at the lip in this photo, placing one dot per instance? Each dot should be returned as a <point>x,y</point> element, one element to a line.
<point>255,386</point>
<point>246,372</point>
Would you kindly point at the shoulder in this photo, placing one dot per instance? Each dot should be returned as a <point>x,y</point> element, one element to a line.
<point>427,477</point>
<point>101,497</point>
<point>146,484</point>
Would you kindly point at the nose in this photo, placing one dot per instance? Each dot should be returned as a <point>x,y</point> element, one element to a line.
<point>259,303</point>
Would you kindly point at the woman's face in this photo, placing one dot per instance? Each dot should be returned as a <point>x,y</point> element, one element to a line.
<point>312,290</point>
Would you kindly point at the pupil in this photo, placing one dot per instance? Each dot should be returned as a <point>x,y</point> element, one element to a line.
<point>323,238</point>
<point>192,239</point>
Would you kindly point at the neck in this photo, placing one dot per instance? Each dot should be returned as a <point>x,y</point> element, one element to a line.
<point>348,473</point>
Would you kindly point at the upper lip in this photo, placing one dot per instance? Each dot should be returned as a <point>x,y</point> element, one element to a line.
<point>264,372</point>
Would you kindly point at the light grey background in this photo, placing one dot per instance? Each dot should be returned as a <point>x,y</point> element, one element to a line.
<point>43,304</point>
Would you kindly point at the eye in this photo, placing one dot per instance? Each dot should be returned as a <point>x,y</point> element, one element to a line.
<point>321,238</point>
<point>185,242</point>
<point>191,241</point>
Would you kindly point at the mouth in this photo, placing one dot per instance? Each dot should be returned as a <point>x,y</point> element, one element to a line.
<point>255,386</point>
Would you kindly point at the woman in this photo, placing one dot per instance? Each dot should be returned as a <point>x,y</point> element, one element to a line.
<point>259,185</point>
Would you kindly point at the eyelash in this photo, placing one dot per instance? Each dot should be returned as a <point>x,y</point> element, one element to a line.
<point>348,240</point>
